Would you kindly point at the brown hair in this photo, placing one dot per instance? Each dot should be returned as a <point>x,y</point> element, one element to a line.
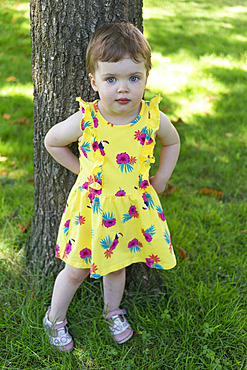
<point>112,42</point>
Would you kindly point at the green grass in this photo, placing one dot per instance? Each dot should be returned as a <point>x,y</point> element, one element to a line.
<point>197,318</point>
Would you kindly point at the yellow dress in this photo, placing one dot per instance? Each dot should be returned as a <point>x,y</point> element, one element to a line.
<point>113,216</point>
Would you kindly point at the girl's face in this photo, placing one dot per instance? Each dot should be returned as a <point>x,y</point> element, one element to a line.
<point>120,86</point>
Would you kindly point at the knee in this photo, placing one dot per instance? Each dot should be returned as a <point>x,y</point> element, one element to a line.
<point>76,275</point>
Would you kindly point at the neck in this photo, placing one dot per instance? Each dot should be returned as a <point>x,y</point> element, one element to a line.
<point>118,119</point>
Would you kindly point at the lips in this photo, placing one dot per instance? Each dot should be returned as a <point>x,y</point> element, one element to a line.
<point>123,101</point>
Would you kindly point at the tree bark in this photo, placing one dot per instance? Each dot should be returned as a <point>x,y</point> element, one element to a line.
<point>60,31</point>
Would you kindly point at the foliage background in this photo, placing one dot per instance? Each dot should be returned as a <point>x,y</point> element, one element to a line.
<point>197,318</point>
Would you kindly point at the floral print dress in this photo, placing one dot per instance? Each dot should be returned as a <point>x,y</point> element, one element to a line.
<point>113,216</point>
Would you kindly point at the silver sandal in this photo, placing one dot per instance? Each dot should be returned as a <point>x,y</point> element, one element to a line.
<point>58,334</point>
<point>119,326</point>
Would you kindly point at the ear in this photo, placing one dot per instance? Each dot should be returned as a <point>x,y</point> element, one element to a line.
<point>93,82</point>
<point>146,79</point>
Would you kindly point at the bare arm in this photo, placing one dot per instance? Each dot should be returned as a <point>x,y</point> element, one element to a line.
<point>61,135</point>
<point>170,146</point>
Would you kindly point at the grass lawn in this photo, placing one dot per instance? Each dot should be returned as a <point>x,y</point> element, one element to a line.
<point>197,319</point>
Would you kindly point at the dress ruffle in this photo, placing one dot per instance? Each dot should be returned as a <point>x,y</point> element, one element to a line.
<point>87,125</point>
<point>147,154</point>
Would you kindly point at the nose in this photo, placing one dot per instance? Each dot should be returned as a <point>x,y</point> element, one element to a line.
<point>122,87</point>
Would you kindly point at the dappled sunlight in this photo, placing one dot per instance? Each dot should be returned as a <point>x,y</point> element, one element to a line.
<point>193,90</point>
<point>199,59</point>
<point>199,69</point>
<point>10,90</point>
<point>22,6</point>
<point>18,174</point>
<point>229,62</point>
<point>232,11</point>
<point>6,148</point>
<point>163,12</point>
<point>169,77</point>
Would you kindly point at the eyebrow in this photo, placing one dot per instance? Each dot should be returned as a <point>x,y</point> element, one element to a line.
<point>114,74</point>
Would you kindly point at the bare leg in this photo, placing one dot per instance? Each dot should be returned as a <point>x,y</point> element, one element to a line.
<point>113,284</point>
<point>66,284</point>
<point>113,292</point>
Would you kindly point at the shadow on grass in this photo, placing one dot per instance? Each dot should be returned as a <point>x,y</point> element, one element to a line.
<point>214,153</point>
<point>207,5</point>
<point>213,147</point>
<point>183,32</point>
<point>17,133</point>
<point>15,44</point>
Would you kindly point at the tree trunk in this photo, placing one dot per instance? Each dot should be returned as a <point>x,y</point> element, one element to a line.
<point>60,31</point>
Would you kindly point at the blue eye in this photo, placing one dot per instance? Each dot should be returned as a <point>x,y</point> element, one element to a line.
<point>111,79</point>
<point>134,78</point>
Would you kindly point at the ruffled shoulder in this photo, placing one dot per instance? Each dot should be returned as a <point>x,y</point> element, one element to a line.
<point>153,112</point>
<point>153,122</point>
<point>89,124</point>
<point>86,109</point>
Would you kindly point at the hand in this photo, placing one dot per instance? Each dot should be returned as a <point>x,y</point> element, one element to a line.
<point>158,185</point>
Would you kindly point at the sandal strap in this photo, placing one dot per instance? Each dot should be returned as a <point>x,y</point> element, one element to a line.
<point>63,338</point>
<point>60,325</point>
<point>118,311</point>
<point>55,325</point>
<point>118,325</point>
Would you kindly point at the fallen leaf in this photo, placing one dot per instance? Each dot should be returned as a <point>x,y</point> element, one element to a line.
<point>14,19</point>
<point>214,193</point>
<point>135,334</point>
<point>21,121</point>
<point>228,134</point>
<point>182,252</point>
<point>178,123</point>
<point>169,190</point>
<point>24,228</point>
<point>165,109</point>
<point>11,78</point>
<point>179,120</point>
<point>32,296</point>
<point>3,159</point>
<point>26,158</point>
<point>243,231</point>
<point>6,116</point>
<point>23,35</point>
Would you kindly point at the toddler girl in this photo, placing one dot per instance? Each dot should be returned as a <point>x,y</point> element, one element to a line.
<point>113,216</point>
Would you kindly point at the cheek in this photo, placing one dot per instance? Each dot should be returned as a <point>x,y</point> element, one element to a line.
<point>106,93</point>
<point>139,90</point>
